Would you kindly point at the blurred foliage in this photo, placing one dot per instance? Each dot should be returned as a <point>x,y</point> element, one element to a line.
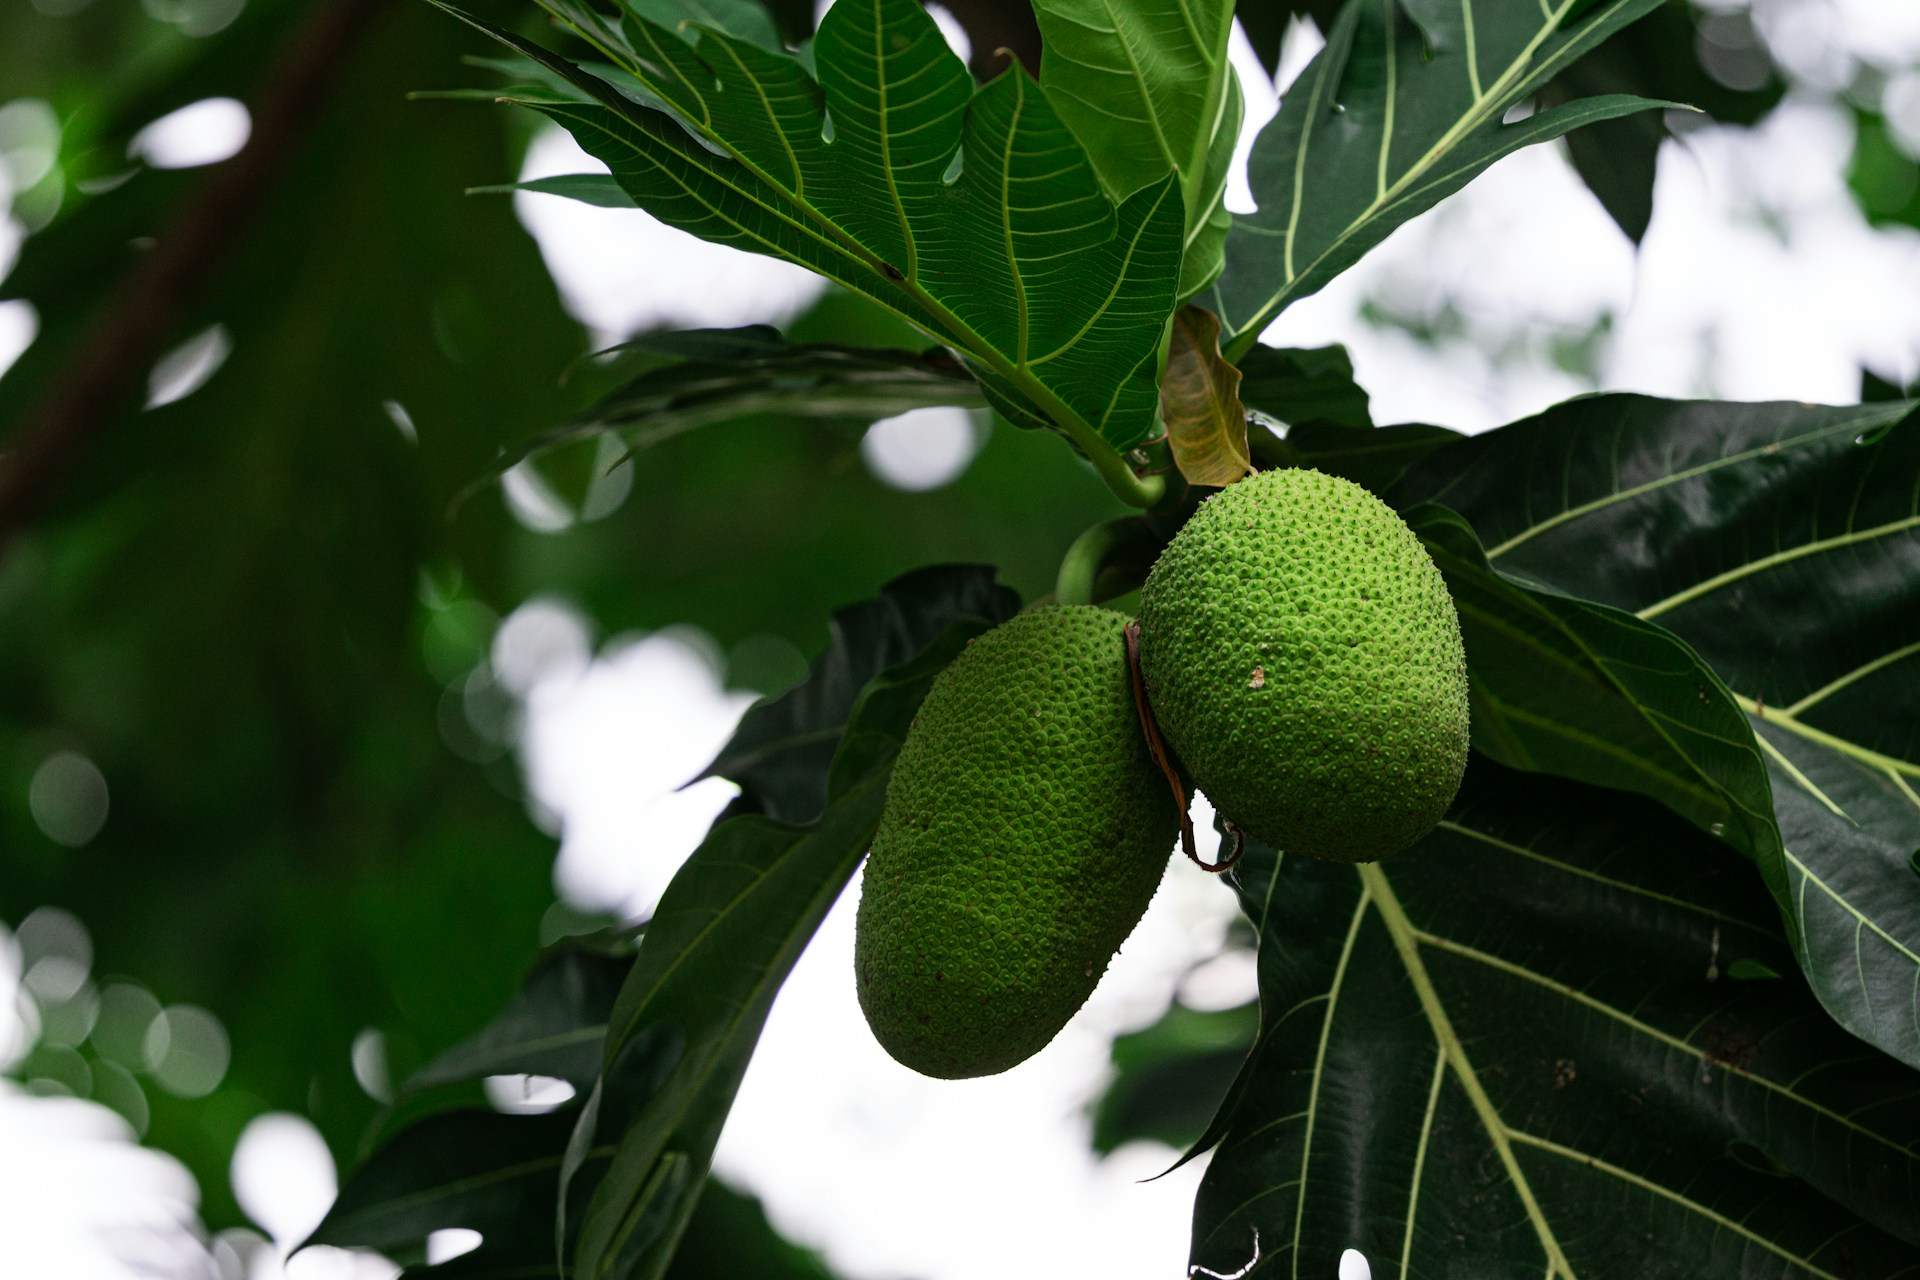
<point>251,609</point>
<point>1169,1077</point>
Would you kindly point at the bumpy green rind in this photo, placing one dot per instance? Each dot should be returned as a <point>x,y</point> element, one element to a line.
<point>1025,831</point>
<point>1303,659</point>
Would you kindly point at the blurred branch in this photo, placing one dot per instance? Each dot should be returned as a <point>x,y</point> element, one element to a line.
<point>112,360</point>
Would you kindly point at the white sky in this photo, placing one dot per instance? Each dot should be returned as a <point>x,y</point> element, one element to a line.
<point>1758,279</point>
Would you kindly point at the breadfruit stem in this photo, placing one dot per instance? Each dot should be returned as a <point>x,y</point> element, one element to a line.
<point>1096,549</point>
<point>1157,748</point>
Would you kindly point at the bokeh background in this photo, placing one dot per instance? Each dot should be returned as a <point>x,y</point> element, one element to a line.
<point>307,744</point>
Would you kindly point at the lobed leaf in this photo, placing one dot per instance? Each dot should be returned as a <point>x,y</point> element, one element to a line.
<point>1405,105</point>
<point>1734,527</point>
<point>1146,87</point>
<point>974,215</point>
<point>1520,1050</point>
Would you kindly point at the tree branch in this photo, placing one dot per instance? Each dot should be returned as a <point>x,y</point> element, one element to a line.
<point>111,361</point>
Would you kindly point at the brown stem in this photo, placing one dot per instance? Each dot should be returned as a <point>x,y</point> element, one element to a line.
<point>110,362</point>
<point>1157,748</point>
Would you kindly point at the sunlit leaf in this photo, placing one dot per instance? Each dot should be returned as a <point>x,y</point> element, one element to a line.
<point>1146,87</point>
<point>1200,403</point>
<point>1515,1051</point>
<point>1405,105</point>
<point>972,214</point>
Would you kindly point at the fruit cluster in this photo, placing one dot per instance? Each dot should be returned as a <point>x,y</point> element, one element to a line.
<point>1302,658</point>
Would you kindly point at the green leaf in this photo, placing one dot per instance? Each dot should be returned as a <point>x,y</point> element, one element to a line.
<point>1146,87</point>
<point>1168,1078</point>
<point>1778,541</point>
<point>1564,685</point>
<point>1657,58</point>
<point>1200,403</point>
<point>597,189</point>
<point>1513,1051</point>
<point>1301,385</point>
<point>498,1175</point>
<point>726,375</point>
<point>784,746</point>
<point>491,1173</point>
<point>973,215</point>
<point>729,929</point>
<point>1404,106</point>
<point>555,1025</point>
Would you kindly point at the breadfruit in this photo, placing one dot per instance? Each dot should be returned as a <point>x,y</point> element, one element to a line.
<point>1024,832</point>
<point>1303,659</point>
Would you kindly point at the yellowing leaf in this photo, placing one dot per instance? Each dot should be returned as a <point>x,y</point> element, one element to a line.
<point>1200,403</point>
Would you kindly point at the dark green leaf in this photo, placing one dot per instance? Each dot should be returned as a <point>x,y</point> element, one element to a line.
<point>729,374</point>
<point>781,752</point>
<point>1266,24</point>
<point>491,1173</point>
<point>1376,459</point>
<point>1779,541</point>
<point>1655,58</point>
<point>1511,1052</point>
<point>1301,385</point>
<point>498,1175</point>
<point>1564,685</point>
<point>974,216</point>
<point>729,928</point>
<point>1404,106</point>
<point>554,1026</point>
<point>597,189</point>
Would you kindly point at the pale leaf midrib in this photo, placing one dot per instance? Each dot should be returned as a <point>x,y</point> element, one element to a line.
<point>1400,929</point>
<point>1817,546</point>
<point>1833,741</point>
<point>1677,1043</point>
<point>1679,477</point>
<point>1668,1193</point>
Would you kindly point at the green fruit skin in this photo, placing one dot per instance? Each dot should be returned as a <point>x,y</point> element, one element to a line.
<point>1303,658</point>
<point>1025,830</point>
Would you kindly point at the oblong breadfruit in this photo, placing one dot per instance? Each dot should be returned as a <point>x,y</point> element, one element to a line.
<point>1303,659</point>
<point>1025,830</point>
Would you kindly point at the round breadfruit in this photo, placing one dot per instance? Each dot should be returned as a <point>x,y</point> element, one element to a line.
<point>1024,833</point>
<point>1303,659</point>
